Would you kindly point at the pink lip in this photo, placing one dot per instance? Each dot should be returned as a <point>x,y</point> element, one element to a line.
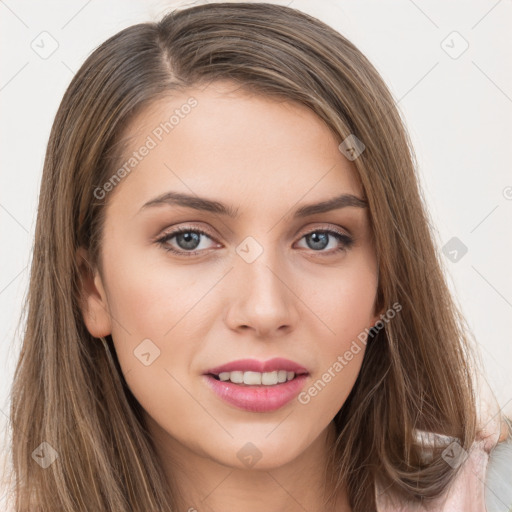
<point>253,365</point>
<point>257,398</point>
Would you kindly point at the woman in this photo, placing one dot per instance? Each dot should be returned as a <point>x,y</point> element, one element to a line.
<point>235,299</point>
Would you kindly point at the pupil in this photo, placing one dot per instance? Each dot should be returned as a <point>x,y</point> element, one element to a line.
<point>191,240</point>
<point>322,244</point>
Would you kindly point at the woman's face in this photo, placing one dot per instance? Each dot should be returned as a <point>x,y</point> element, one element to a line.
<point>254,274</point>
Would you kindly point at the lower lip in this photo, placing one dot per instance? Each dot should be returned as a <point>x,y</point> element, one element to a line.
<point>257,398</point>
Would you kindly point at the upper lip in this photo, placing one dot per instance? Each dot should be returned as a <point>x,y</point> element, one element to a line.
<point>253,365</point>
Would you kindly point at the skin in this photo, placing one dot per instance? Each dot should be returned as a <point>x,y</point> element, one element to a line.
<point>297,300</point>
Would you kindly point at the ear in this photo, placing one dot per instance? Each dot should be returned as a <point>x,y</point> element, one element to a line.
<point>93,299</point>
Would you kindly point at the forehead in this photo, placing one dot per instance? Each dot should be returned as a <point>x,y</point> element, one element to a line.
<point>241,148</point>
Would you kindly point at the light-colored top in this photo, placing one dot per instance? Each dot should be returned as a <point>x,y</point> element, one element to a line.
<point>483,483</point>
<point>484,479</point>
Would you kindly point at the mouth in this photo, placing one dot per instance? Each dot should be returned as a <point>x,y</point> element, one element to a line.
<point>257,379</point>
<point>260,397</point>
<point>257,386</point>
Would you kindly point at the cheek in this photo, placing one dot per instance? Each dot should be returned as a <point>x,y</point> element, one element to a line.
<point>344,306</point>
<point>153,311</point>
<point>149,296</point>
<point>344,301</point>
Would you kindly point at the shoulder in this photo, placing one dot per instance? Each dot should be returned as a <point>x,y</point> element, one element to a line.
<point>484,473</point>
<point>484,480</point>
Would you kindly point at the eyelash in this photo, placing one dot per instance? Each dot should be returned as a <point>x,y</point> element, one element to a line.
<point>346,241</point>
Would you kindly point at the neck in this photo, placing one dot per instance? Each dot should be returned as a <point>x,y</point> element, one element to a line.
<point>202,484</point>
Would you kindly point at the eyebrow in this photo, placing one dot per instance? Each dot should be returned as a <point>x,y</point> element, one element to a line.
<point>209,205</point>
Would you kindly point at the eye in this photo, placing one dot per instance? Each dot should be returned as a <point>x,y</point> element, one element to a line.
<point>188,240</point>
<point>319,239</point>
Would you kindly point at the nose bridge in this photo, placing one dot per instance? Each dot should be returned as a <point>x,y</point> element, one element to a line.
<point>262,275</point>
<point>263,299</point>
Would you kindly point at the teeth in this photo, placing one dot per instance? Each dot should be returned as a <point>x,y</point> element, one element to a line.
<point>257,378</point>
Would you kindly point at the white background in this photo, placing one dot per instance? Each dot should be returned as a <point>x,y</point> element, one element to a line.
<point>457,110</point>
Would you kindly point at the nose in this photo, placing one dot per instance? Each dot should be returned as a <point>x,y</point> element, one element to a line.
<point>263,299</point>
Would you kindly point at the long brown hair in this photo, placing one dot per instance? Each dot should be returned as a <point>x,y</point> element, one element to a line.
<point>69,391</point>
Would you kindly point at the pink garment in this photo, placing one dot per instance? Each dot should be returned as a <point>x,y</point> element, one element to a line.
<point>467,493</point>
